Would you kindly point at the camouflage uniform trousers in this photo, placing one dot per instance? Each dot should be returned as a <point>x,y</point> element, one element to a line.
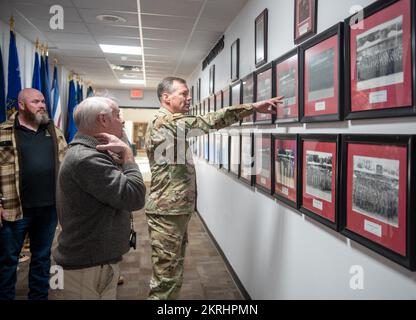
<point>168,240</point>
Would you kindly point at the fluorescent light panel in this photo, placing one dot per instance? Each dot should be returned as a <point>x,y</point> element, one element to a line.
<point>132,81</point>
<point>109,48</point>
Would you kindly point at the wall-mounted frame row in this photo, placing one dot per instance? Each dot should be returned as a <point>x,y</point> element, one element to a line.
<point>354,70</point>
<point>360,185</point>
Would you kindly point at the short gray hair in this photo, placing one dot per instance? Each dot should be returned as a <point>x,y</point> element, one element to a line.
<point>85,114</point>
<point>166,85</point>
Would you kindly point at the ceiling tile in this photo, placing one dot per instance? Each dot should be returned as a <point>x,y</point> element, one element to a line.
<point>184,8</point>
<point>121,5</point>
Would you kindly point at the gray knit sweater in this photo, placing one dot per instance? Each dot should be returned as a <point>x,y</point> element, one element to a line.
<point>94,200</point>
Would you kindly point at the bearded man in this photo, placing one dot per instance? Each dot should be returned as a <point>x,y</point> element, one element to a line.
<point>31,150</point>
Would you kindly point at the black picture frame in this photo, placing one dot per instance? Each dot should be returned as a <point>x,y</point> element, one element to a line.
<point>335,197</point>
<point>259,186</point>
<point>372,92</point>
<point>211,107</point>
<point>260,38</point>
<point>192,96</point>
<point>320,104</point>
<point>218,150</point>
<point>235,154</point>
<point>211,144</point>
<point>235,60</point>
<point>355,141</point>
<point>263,92</point>
<point>244,156</point>
<point>286,199</point>
<point>212,79</point>
<point>236,96</point>
<point>305,22</point>
<point>218,100</point>
<point>284,80</point>
<point>248,91</point>
<point>226,97</point>
<point>198,90</point>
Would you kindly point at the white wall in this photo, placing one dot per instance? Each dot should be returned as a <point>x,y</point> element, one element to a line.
<point>149,99</point>
<point>276,252</point>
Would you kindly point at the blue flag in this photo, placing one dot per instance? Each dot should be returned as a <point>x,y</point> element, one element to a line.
<point>36,84</point>
<point>13,79</point>
<point>44,77</point>
<point>56,100</point>
<point>72,103</point>
<point>2,94</point>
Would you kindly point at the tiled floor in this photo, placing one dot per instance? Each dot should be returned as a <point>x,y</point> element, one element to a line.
<point>206,276</point>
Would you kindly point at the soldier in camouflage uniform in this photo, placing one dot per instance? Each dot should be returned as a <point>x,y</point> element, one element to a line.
<point>173,187</point>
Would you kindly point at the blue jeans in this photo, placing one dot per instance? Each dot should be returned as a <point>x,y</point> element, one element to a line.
<point>40,223</point>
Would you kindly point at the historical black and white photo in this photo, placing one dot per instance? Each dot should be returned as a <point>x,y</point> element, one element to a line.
<point>285,167</point>
<point>260,25</point>
<point>321,75</point>
<point>375,190</point>
<point>287,86</point>
<point>263,158</point>
<point>319,174</point>
<point>379,59</point>
<point>304,10</point>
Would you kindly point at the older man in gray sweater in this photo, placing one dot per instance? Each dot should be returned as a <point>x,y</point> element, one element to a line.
<point>99,184</point>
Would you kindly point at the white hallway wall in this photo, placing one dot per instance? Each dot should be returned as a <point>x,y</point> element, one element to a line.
<point>276,252</point>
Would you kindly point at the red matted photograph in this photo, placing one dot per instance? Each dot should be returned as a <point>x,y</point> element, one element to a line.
<point>263,155</point>
<point>320,178</point>
<point>247,88</point>
<point>380,79</point>
<point>286,75</point>
<point>377,193</point>
<point>264,90</point>
<point>285,168</point>
<point>226,97</point>
<point>211,103</point>
<point>322,77</point>
<point>218,100</point>
<point>305,19</point>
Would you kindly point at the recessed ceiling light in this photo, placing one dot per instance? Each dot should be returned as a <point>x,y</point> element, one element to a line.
<point>109,48</point>
<point>110,18</point>
<point>131,81</point>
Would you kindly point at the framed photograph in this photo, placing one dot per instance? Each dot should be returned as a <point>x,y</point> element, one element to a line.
<point>247,159</point>
<point>206,147</point>
<point>285,168</point>
<point>212,79</point>
<point>287,85</point>
<point>192,96</point>
<point>264,90</point>
<point>321,76</point>
<point>235,60</point>
<point>211,103</point>
<point>305,19</point>
<point>235,145</point>
<point>236,96</point>
<point>198,90</point>
<point>380,80</point>
<point>218,100</point>
<point>226,97</point>
<point>203,104</point>
<point>248,87</point>
<point>263,158</point>
<point>199,109</point>
<point>379,193</point>
<point>319,178</point>
<point>225,152</point>
<point>201,146</point>
<point>211,145</point>
<point>217,149</point>
<point>260,32</point>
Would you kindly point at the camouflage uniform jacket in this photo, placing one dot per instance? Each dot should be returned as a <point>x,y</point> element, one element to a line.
<point>9,165</point>
<point>173,185</point>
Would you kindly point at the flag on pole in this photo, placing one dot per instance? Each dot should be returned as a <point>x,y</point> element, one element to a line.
<point>45,83</point>
<point>56,99</point>
<point>36,84</point>
<point>79,92</point>
<point>47,88</point>
<point>2,94</point>
<point>72,103</point>
<point>13,78</point>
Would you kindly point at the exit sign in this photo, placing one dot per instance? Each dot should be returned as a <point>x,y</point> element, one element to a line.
<point>136,94</point>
